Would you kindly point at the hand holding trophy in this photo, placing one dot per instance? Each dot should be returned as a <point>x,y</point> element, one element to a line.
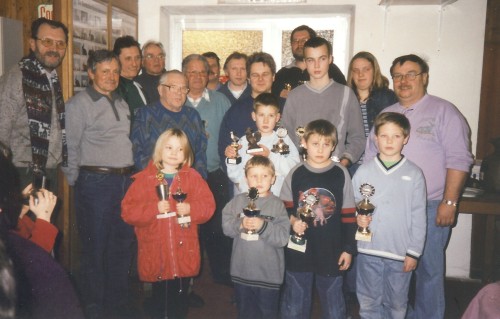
<point>306,214</point>
<point>235,146</point>
<point>162,191</point>
<point>364,207</point>
<point>251,211</point>
<point>253,139</point>
<point>184,219</point>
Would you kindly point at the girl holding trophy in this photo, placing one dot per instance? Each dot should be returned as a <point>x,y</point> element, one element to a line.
<point>168,248</point>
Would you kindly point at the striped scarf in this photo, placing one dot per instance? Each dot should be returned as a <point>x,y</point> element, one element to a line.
<point>38,96</point>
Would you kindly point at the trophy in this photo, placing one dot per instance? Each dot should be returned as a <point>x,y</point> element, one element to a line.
<point>281,147</point>
<point>299,131</point>
<point>179,196</point>
<point>253,138</point>
<point>306,214</point>
<point>288,87</point>
<point>364,207</point>
<point>251,211</point>
<point>163,193</point>
<point>235,146</point>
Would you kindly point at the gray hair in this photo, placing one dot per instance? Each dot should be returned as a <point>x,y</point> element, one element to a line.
<point>151,43</point>
<point>194,57</point>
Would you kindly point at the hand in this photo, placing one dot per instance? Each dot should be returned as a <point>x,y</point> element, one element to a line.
<point>284,93</point>
<point>183,209</point>
<point>410,264</point>
<point>445,215</point>
<point>252,223</point>
<point>363,220</point>
<point>299,227</point>
<point>163,206</point>
<point>345,162</point>
<point>345,261</point>
<point>45,206</point>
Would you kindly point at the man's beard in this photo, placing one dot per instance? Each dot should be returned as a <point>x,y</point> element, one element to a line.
<point>298,56</point>
<point>45,63</point>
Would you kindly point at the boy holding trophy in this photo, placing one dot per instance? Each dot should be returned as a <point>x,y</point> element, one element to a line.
<point>388,253</point>
<point>320,199</point>
<point>258,222</point>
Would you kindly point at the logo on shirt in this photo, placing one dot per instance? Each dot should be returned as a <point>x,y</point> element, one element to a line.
<point>325,206</point>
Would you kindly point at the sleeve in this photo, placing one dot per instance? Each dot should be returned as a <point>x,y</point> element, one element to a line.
<point>139,137</point>
<point>287,120</point>
<point>39,232</point>
<point>139,209</point>
<point>283,164</point>
<point>355,132</point>
<point>75,127</point>
<point>200,198</point>
<point>348,215</point>
<point>276,232</point>
<point>418,217</point>
<point>11,102</point>
<point>224,137</point>
<point>231,220</point>
<point>286,193</point>
<point>236,172</point>
<point>371,149</point>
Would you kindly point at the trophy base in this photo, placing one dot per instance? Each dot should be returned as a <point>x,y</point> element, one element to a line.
<point>295,245</point>
<point>363,236</point>
<point>165,215</point>
<point>249,237</point>
<point>255,150</point>
<point>183,219</point>
<point>233,161</point>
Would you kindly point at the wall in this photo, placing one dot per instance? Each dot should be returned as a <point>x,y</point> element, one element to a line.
<point>450,38</point>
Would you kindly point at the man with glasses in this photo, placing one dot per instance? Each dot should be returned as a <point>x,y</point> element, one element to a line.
<point>169,111</point>
<point>128,51</point>
<point>440,146</point>
<point>153,66</point>
<point>294,74</point>
<point>32,110</point>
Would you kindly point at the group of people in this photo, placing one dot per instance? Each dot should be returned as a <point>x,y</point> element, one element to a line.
<point>256,171</point>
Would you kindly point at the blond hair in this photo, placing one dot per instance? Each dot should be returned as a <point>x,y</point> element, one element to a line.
<point>160,143</point>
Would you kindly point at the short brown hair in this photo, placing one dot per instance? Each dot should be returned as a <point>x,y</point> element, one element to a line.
<point>266,99</point>
<point>392,117</point>
<point>259,160</point>
<point>322,128</point>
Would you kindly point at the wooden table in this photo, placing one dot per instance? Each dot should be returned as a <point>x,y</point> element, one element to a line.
<point>486,206</point>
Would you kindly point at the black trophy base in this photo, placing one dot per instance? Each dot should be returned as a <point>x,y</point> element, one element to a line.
<point>233,161</point>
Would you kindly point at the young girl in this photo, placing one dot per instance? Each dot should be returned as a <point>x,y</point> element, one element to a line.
<point>168,252</point>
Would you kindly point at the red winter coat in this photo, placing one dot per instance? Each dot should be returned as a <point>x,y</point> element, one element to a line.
<point>165,249</point>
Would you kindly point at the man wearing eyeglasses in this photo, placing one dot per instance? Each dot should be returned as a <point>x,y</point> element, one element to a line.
<point>440,146</point>
<point>32,110</point>
<point>295,73</point>
<point>128,51</point>
<point>153,66</point>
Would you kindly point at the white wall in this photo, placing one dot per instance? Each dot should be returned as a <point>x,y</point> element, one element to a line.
<point>450,38</point>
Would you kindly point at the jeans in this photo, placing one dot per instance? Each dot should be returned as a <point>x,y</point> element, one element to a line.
<point>106,240</point>
<point>256,302</point>
<point>382,287</point>
<point>429,275</point>
<point>297,296</point>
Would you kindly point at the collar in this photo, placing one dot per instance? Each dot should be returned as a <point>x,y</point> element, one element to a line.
<point>205,95</point>
<point>95,96</point>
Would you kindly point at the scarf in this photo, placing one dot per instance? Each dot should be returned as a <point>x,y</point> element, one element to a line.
<point>38,96</point>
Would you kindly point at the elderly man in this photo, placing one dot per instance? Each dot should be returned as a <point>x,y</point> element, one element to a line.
<point>294,74</point>
<point>213,71</point>
<point>128,51</point>
<point>100,164</point>
<point>212,106</point>
<point>169,112</point>
<point>439,144</point>
<point>153,66</point>
<point>32,111</point>
<point>237,86</point>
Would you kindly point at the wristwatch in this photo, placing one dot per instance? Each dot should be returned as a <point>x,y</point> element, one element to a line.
<point>450,202</point>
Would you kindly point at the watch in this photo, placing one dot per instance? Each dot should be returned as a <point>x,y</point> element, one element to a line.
<point>450,202</point>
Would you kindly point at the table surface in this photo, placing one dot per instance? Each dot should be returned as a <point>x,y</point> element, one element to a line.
<point>487,204</point>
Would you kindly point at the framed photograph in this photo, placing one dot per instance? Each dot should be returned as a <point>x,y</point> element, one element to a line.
<point>123,23</point>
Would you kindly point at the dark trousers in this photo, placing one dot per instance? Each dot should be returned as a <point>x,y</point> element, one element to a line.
<point>256,302</point>
<point>212,238</point>
<point>106,240</point>
<point>171,295</point>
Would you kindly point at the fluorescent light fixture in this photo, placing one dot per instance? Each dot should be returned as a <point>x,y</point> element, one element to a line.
<point>260,1</point>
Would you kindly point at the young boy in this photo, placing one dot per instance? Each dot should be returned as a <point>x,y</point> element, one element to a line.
<point>324,188</point>
<point>398,225</point>
<point>266,113</point>
<point>257,266</point>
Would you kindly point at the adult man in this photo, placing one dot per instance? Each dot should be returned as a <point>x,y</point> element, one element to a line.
<point>323,98</point>
<point>236,86</point>
<point>100,163</point>
<point>32,111</point>
<point>214,70</point>
<point>128,51</point>
<point>153,66</point>
<point>439,145</point>
<point>294,74</point>
<point>168,112</point>
<point>261,69</point>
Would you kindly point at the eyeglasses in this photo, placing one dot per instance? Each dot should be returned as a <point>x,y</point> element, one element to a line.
<point>151,56</point>
<point>299,41</point>
<point>48,43</point>
<point>197,73</point>
<point>176,89</point>
<point>408,76</point>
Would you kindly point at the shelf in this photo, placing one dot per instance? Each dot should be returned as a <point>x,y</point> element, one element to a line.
<point>415,2</point>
